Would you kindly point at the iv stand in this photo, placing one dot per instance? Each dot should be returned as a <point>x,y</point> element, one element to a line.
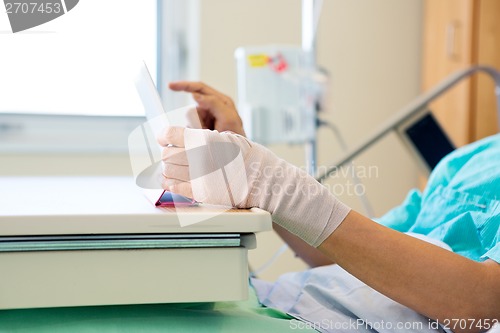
<point>310,17</point>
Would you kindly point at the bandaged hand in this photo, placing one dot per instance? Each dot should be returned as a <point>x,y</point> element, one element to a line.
<point>228,169</point>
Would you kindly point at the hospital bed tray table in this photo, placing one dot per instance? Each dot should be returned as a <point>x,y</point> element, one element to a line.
<point>76,241</point>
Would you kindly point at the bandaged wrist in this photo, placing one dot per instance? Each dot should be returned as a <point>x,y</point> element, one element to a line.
<point>297,201</point>
<point>228,169</point>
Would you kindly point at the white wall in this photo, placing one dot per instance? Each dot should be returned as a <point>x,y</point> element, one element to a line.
<point>370,47</point>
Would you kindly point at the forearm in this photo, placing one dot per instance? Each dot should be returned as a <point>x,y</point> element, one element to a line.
<point>309,254</point>
<point>430,280</point>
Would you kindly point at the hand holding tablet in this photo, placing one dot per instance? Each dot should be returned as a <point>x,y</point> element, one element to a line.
<point>145,152</point>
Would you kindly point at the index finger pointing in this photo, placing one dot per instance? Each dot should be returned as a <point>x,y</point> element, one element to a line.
<point>172,135</point>
<point>192,87</point>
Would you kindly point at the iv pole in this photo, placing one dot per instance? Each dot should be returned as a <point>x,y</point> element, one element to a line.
<point>310,16</point>
<point>311,10</point>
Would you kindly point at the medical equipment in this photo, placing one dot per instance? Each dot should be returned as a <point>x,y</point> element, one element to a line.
<point>276,94</point>
<point>72,241</point>
<point>280,88</point>
<point>415,114</point>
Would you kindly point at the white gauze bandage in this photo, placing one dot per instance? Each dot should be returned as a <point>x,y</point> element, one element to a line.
<point>228,169</point>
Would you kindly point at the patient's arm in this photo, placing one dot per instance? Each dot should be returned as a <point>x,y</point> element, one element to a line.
<point>435,282</point>
<point>309,254</point>
<point>422,276</point>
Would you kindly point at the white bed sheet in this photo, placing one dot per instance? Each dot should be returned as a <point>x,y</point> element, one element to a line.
<point>329,299</point>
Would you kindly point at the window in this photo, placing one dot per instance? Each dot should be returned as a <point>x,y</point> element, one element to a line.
<point>64,84</point>
<point>78,65</point>
<point>67,85</point>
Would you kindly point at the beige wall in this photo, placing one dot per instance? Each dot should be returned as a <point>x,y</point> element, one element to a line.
<point>372,50</point>
<point>370,47</point>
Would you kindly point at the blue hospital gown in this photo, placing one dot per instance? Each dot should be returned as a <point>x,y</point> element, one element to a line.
<point>461,203</point>
<point>459,207</point>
